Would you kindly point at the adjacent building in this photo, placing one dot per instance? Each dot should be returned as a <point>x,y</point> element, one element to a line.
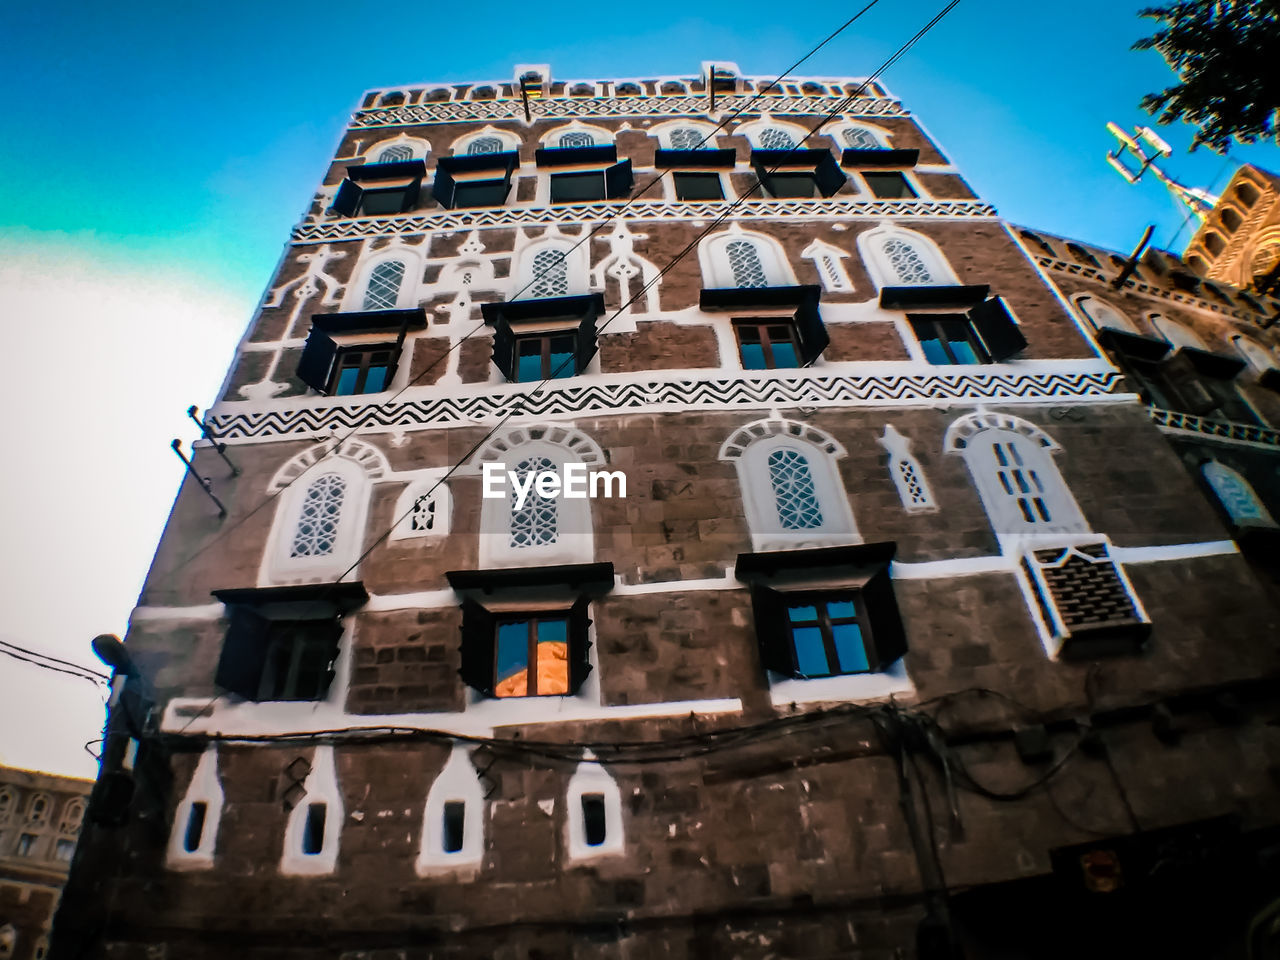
<point>910,633</point>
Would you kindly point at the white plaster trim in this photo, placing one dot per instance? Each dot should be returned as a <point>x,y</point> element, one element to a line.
<point>957,567</point>
<point>204,788</point>
<point>727,582</point>
<point>458,782</point>
<point>855,686</point>
<point>424,481</point>
<point>424,600</point>
<point>591,777</point>
<point>321,787</point>
<point>1173,551</point>
<point>204,611</point>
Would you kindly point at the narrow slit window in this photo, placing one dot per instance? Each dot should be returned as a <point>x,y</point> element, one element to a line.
<point>455,819</point>
<point>195,827</point>
<point>593,818</point>
<point>313,830</point>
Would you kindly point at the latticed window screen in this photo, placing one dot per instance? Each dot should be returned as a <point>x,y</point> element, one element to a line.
<point>384,285</point>
<point>744,261</point>
<point>485,145</point>
<point>396,153</point>
<point>906,262</point>
<point>912,484</point>
<point>859,138</point>
<point>830,270</point>
<point>550,274</point>
<point>685,138</point>
<point>793,491</point>
<point>1084,586</point>
<point>1020,483</point>
<point>423,516</point>
<point>1236,495</point>
<point>317,530</point>
<point>771,138</point>
<point>535,523</point>
<point>577,139</point>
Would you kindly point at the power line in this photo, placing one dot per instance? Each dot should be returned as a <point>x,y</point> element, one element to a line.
<point>42,660</point>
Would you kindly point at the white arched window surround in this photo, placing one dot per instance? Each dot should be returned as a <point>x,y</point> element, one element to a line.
<point>1259,358</point>
<point>194,835</point>
<point>685,135</point>
<point>356,464</point>
<point>573,539</point>
<point>906,472</point>
<point>1236,495</point>
<point>541,273</point>
<point>896,257</point>
<point>457,784</point>
<point>767,454</point>
<point>424,508</point>
<point>829,262</point>
<point>592,788</point>
<point>417,147</point>
<point>463,145</point>
<point>304,823</point>
<point>577,133</point>
<point>769,134</point>
<point>371,278</point>
<point>1012,465</point>
<point>859,136</point>
<point>1103,316</point>
<point>721,268</point>
<point>1176,333</point>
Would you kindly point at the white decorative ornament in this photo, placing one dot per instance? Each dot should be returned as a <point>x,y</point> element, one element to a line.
<point>314,827</point>
<point>906,472</point>
<point>194,835</point>
<point>453,820</point>
<point>828,262</point>
<point>424,508</point>
<point>594,812</point>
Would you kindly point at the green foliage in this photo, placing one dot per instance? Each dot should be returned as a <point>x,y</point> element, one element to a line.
<point>1226,54</point>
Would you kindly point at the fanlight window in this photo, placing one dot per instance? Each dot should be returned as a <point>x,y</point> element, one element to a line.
<point>396,153</point>
<point>8,800</point>
<point>860,138</point>
<point>72,817</point>
<point>550,274</point>
<point>533,524</point>
<point>1236,496</point>
<point>317,529</point>
<point>576,138</point>
<point>906,262</point>
<point>771,138</point>
<point>793,490</point>
<point>744,260</point>
<point>485,145</point>
<point>384,285</point>
<point>685,138</point>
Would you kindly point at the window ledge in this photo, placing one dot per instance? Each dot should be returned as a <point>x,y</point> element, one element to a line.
<point>855,686</point>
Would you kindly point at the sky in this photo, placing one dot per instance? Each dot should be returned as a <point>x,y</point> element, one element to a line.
<point>155,156</point>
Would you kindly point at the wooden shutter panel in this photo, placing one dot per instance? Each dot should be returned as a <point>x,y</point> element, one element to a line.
<point>442,188</point>
<point>479,647</point>
<point>411,194</point>
<point>504,349</point>
<point>618,180</point>
<point>586,343</point>
<point>887,635</point>
<point>244,652</point>
<point>398,350</point>
<point>996,327</point>
<point>317,360</point>
<point>347,200</point>
<point>1184,383</point>
<point>579,644</point>
<point>828,175</point>
<point>770,609</point>
<point>813,332</point>
<point>328,632</point>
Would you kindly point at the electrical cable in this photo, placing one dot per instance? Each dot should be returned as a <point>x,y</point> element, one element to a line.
<point>83,674</point>
<point>45,656</point>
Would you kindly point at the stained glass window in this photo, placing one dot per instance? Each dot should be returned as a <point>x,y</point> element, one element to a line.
<point>317,530</point>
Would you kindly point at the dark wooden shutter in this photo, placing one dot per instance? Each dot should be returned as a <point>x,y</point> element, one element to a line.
<point>1182,380</point>
<point>579,644</point>
<point>443,188</point>
<point>329,634</point>
<point>244,652</point>
<point>504,349</point>
<point>347,199</point>
<point>317,360</point>
<point>479,647</point>
<point>996,327</point>
<point>586,343</point>
<point>828,175</point>
<point>398,350</point>
<point>887,636</point>
<point>411,194</point>
<point>812,331</point>
<point>618,180</point>
<point>770,609</point>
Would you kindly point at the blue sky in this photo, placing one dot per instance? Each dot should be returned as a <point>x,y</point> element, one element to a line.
<point>157,154</point>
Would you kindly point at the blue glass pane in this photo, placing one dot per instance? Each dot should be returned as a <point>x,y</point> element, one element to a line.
<point>840,608</point>
<point>529,368</point>
<point>553,657</point>
<point>784,355</point>
<point>553,631</point>
<point>850,648</point>
<point>752,356</point>
<point>811,656</point>
<point>934,352</point>
<point>964,352</point>
<point>346,382</point>
<point>798,614</point>
<point>562,364</point>
<point>376,380</point>
<point>513,649</point>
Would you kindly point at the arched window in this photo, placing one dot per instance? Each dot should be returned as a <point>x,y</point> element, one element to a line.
<point>1230,220</point>
<point>774,138</point>
<point>533,522</point>
<point>1255,354</point>
<point>792,492</point>
<point>899,257</point>
<point>1214,243</point>
<point>423,508</point>
<point>594,812</point>
<point>1178,335</point>
<point>1236,495</point>
<point>485,145</point>
<point>453,820</point>
<point>859,138</point>
<point>686,138</point>
<point>8,803</point>
<point>383,289</point>
<point>1012,466</point>
<point>1040,242</point>
<point>317,528</point>
<point>1103,316</point>
<point>744,261</point>
<point>395,153</point>
<point>576,138</point>
<point>907,263</point>
<point>1246,194</point>
<point>314,826</point>
<point>72,817</point>
<point>195,821</point>
<point>1082,256</point>
<point>38,809</point>
<point>908,476</point>
<point>550,274</point>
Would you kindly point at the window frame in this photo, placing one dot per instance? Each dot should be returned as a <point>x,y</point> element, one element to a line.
<point>913,192</point>
<point>766,342</point>
<point>547,338</point>
<point>956,321</point>
<point>696,176</point>
<point>822,599</point>
<point>365,352</point>
<point>533,619</point>
<point>478,650</point>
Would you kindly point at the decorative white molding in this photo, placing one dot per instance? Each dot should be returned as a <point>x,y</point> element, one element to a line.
<point>906,472</point>
<point>891,681</point>
<point>424,508</point>
<point>458,782</point>
<point>1190,425</point>
<point>205,789</point>
<point>593,780</point>
<point>321,788</point>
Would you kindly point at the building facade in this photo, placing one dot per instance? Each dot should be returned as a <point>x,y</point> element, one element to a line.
<point>908,632</point>
<point>40,819</point>
<point>1239,242</point>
